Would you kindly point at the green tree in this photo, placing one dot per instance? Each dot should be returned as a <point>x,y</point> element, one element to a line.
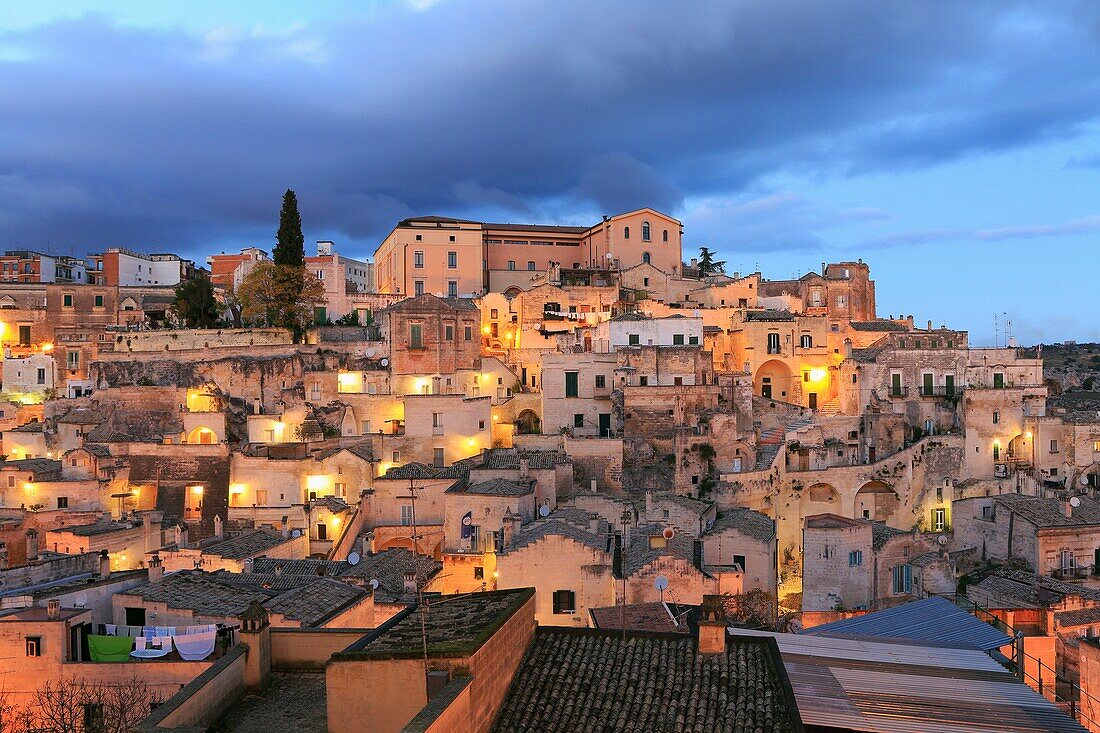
<point>290,244</point>
<point>280,296</point>
<point>708,265</point>
<point>196,305</point>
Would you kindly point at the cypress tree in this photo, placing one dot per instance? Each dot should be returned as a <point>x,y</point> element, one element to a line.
<point>290,244</point>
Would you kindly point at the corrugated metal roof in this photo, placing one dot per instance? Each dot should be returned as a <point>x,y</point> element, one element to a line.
<point>881,687</point>
<point>930,620</point>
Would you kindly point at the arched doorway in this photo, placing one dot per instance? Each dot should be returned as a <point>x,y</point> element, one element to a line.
<point>1020,451</point>
<point>202,436</point>
<point>773,381</point>
<point>512,292</point>
<point>528,423</point>
<point>875,500</point>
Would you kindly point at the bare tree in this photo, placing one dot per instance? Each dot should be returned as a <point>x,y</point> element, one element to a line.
<point>81,706</point>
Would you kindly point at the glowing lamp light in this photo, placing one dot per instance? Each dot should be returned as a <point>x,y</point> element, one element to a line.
<point>470,442</point>
<point>347,378</point>
<point>495,574</point>
<point>45,347</point>
<point>485,330</point>
<point>1028,435</point>
<point>196,489</point>
<point>496,418</point>
<point>817,374</point>
<point>136,492</point>
<point>236,489</point>
<point>335,521</point>
<point>316,483</point>
<point>28,487</point>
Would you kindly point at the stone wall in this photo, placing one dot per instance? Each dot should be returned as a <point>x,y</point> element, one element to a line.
<point>200,339</point>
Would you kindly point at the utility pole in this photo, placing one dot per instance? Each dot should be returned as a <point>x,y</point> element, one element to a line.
<point>625,518</point>
<point>412,500</point>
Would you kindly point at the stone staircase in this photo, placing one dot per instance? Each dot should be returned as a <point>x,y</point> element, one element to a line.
<point>771,441</point>
<point>830,408</point>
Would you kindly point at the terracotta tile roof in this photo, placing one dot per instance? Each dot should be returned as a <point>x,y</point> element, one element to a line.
<point>241,547</point>
<point>389,568</point>
<point>507,459</point>
<point>1045,513</point>
<point>31,427</point>
<point>747,521</point>
<point>592,680</point>
<point>423,471</point>
<point>640,553</point>
<point>44,469</point>
<point>561,526</point>
<point>314,603</point>
<point>1020,586</point>
<point>769,315</point>
<point>656,616</point>
<point>1080,617</point>
<point>879,325</point>
<point>497,487</point>
<point>200,592</point>
<point>306,566</point>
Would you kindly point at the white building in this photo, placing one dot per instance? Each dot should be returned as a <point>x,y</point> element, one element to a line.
<point>633,329</point>
<point>342,277</point>
<point>34,373</point>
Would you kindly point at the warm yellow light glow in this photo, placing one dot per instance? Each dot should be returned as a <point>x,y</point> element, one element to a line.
<point>348,378</point>
<point>1028,435</point>
<point>997,443</point>
<point>496,418</point>
<point>3,328</point>
<point>316,483</point>
<point>335,521</point>
<point>279,426</point>
<point>45,347</point>
<point>485,330</point>
<point>196,489</point>
<point>496,574</point>
<point>817,374</point>
<point>470,442</point>
<point>236,488</point>
<point>136,492</point>
<point>28,487</point>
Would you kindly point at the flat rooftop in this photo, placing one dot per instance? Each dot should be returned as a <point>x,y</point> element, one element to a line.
<point>454,625</point>
<point>291,701</point>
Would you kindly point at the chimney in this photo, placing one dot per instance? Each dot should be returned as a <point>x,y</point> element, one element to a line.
<point>257,406</point>
<point>648,501</point>
<point>219,530</point>
<point>697,554</point>
<point>156,568</point>
<point>286,527</point>
<point>594,523</point>
<point>278,570</point>
<point>409,586</point>
<point>847,348</point>
<point>104,564</point>
<point>53,610</point>
<point>694,262</point>
<point>181,535</point>
<point>1069,510</point>
<point>508,527</point>
<point>930,325</point>
<point>823,269</point>
<point>32,545</point>
<point>593,486</point>
<point>523,467</point>
<point>3,555</point>
<point>712,627</point>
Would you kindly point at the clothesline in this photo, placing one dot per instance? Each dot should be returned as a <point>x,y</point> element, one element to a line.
<point>151,632</point>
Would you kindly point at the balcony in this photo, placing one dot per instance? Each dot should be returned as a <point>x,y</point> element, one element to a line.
<point>898,392</point>
<point>949,392</point>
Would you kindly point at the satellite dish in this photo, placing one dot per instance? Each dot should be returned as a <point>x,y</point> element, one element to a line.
<point>384,362</point>
<point>1075,501</point>
<point>353,558</point>
<point>660,582</point>
<point>544,510</point>
<point>1084,480</point>
<point>296,533</point>
<point>371,352</point>
<point>373,583</point>
<point>942,539</point>
<point>668,533</point>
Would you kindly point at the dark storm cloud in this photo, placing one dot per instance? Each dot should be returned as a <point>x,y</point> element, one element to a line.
<point>115,135</point>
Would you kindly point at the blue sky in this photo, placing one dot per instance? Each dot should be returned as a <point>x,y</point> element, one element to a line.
<point>953,146</point>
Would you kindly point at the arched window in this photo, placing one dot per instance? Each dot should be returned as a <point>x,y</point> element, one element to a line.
<point>645,231</point>
<point>626,232</point>
<point>664,235</point>
<point>645,257</point>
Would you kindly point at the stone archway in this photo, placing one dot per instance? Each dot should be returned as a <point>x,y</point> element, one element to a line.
<point>876,500</point>
<point>528,423</point>
<point>820,499</point>
<point>774,380</point>
<point>203,436</point>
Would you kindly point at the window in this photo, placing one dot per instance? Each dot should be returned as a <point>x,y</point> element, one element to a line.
<point>739,561</point>
<point>99,301</point>
<point>415,339</point>
<point>73,359</point>
<point>511,264</point>
<point>646,259</point>
<point>34,646</point>
<point>437,458</point>
<point>842,301</point>
<point>494,313</point>
<point>406,514</point>
<point>67,300</point>
<point>645,281</point>
<point>998,380</point>
<point>693,340</point>
<point>418,287</point>
<point>677,339</point>
<point>806,341</point>
<point>626,232</point>
<point>939,519</point>
<point>664,235</point>
<point>452,288</point>
<point>468,333</point>
<point>261,497</point>
<point>645,231</point>
<point>572,384</point>
<point>1054,446</point>
<point>41,376</point>
<point>395,457</point>
<point>418,259</point>
<point>452,260</point>
<point>773,343</point>
<point>578,420</point>
<point>633,339</point>
<point>437,423</point>
<point>855,558</point>
<point>565,601</point>
<point>420,237</point>
<point>987,513</point>
<point>902,579</point>
<point>531,265</point>
<point>452,238</point>
<point>449,333</point>
<point>643,381</point>
<point>601,381</point>
<point>62,502</point>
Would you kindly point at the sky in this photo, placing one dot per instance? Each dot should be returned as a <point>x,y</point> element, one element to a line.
<point>955,147</point>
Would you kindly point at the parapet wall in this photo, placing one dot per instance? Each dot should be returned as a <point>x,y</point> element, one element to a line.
<point>199,338</point>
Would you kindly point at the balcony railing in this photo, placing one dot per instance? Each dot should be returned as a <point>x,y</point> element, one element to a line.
<point>941,391</point>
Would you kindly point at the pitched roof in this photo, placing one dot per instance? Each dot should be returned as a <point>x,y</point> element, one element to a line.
<point>1022,587</point>
<point>537,228</point>
<point>769,315</point>
<point>882,533</point>
<point>416,470</point>
<point>1048,513</point>
<point>559,524</point>
<point>97,528</point>
<point>881,324</point>
<point>31,427</point>
<point>498,487</point>
<point>747,521</point>
<point>1080,617</point>
<point>508,459</point>
<point>696,506</point>
<point>389,568</point>
<point>641,553</point>
<point>660,617</point>
<point>314,603</point>
<point>199,592</point>
<point>246,545</point>
<point>305,566</point>
<point>931,620</point>
<point>42,468</point>
<point>594,680</point>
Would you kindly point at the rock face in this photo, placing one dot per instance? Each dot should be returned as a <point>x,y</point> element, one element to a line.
<point>1072,368</point>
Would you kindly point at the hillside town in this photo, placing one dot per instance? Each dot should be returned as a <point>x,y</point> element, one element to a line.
<point>526,477</point>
